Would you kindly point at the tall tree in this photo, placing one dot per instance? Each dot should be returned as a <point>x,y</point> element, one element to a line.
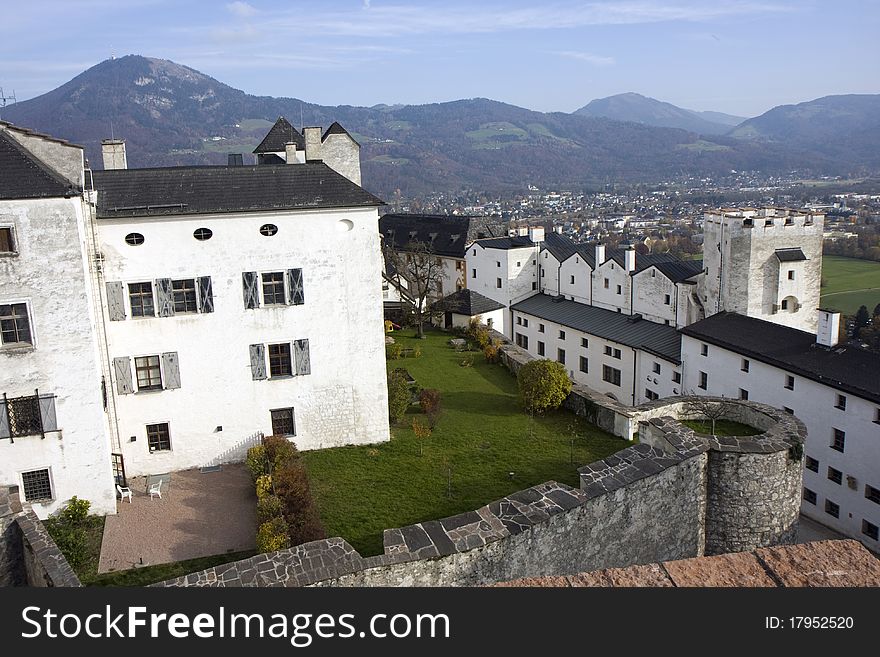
<point>862,319</point>
<point>417,273</point>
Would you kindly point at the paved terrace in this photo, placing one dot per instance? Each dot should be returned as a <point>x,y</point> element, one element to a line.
<point>200,514</point>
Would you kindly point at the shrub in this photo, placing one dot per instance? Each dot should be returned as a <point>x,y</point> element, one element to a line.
<point>398,396</point>
<point>72,540</point>
<point>268,507</point>
<point>467,361</point>
<point>393,351</point>
<point>472,327</point>
<point>256,462</point>
<point>481,337</point>
<point>422,432</point>
<point>543,385</point>
<point>417,351</point>
<point>273,535</point>
<point>430,402</point>
<point>279,450</point>
<point>299,508</point>
<point>264,485</point>
<point>76,511</point>
<point>491,353</point>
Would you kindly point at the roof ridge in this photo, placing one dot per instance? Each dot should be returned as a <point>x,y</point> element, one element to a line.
<point>68,187</point>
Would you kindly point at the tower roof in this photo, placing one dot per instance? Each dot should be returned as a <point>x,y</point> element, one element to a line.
<point>278,136</point>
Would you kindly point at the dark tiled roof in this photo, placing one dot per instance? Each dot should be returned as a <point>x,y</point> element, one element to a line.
<point>199,190</point>
<point>448,235</point>
<point>336,129</point>
<point>467,302</point>
<point>24,176</point>
<point>678,270</point>
<point>642,261</point>
<point>658,339</point>
<point>562,248</point>
<point>279,135</point>
<point>790,255</point>
<point>849,369</point>
<point>506,243</point>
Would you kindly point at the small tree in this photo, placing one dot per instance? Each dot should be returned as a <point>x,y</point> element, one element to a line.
<point>430,399</point>
<point>422,432</point>
<point>543,385</point>
<point>417,274</point>
<point>708,408</point>
<point>398,396</point>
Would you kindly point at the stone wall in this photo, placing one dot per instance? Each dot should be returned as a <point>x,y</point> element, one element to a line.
<point>28,555</point>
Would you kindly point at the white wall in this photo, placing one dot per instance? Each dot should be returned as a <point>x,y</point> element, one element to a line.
<point>814,404</point>
<point>651,289</point>
<point>515,268</point>
<point>580,291</point>
<point>343,400</point>
<point>549,273</point>
<point>609,298</point>
<point>50,274</point>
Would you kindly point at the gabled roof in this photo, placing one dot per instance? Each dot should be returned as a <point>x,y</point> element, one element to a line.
<point>279,135</point>
<point>467,302</point>
<point>447,235</point>
<point>506,243</point>
<point>628,330</point>
<point>846,368</point>
<point>336,129</point>
<point>790,255</point>
<point>642,261</point>
<point>23,175</point>
<point>222,189</point>
<point>676,271</point>
<point>562,248</point>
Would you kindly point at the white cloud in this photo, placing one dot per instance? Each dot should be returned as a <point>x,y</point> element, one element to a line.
<point>590,58</point>
<point>242,9</point>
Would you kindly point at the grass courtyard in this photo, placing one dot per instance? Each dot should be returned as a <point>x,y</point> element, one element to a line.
<point>850,283</point>
<point>482,437</point>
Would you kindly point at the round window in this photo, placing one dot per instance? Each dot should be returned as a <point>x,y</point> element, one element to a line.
<point>134,239</point>
<point>268,229</point>
<point>203,234</point>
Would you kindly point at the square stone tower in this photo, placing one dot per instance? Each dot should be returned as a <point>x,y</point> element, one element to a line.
<point>764,263</point>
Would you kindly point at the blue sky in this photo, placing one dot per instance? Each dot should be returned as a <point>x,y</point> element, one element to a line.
<point>741,57</point>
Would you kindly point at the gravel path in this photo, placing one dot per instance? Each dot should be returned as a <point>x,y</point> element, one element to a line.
<point>199,515</point>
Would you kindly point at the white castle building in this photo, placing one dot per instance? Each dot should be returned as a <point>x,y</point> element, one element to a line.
<point>161,319</point>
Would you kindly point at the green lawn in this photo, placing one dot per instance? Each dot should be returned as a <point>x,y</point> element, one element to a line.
<point>722,428</point>
<point>850,283</point>
<point>482,436</point>
<point>161,572</point>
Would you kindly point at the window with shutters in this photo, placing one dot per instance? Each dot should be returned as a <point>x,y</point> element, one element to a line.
<point>282,422</point>
<point>184,292</point>
<point>140,297</point>
<point>276,288</point>
<point>151,372</point>
<point>31,415</point>
<point>279,360</point>
<point>148,373</point>
<point>36,485</point>
<point>158,437</point>
<point>273,289</point>
<point>15,326</point>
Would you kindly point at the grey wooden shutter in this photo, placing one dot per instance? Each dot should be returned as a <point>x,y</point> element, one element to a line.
<point>116,300</point>
<point>295,285</point>
<point>164,297</point>
<point>251,293</point>
<point>122,367</point>
<point>301,354</point>
<point>4,420</point>
<point>171,370</point>
<point>258,361</point>
<point>206,295</point>
<point>47,413</point>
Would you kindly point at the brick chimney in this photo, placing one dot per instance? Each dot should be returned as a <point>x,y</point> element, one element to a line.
<point>313,143</point>
<point>829,327</point>
<point>113,151</point>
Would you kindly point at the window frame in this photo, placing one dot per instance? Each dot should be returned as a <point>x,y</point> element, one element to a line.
<point>158,439</point>
<point>151,386</point>
<point>704,381</point>
<point>275,284</point>
<point>832,508</point>
<point>835,476</point>
<point>279,348</point>
<point>541,348</point>
<point>13,242</point>
<point>292,420</point>
<point>50,482</point>
<point>185,307</point>
<point>613,372</point>
<point>841,403</point>
<point>811,464</point>
<point>809,496</point>
<point>142,295</point>
<point>872,493</point>
<point>560,355</point>
<point>17,320</point>
<point>838,436</point>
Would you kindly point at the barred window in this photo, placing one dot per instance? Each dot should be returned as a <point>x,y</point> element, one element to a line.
<point>838,442</point>
<point>185,296</point>
<point>149,375</point>
<point>15,326</point>
<point>158,437</point>
<point>811,464</point>
<point>282,422</point>
<point>273,288</point>
<point>832,509</point>
<point>37,485</point>
<point>23,415</point>
<point>140,296</point>
<point>279,360</point>
<point>809,496</point>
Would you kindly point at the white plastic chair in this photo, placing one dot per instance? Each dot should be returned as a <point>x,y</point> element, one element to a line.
<point>156,489</point>
<point>124,491</point>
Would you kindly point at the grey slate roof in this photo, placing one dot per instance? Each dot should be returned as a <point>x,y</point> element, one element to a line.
<point>657,339</point>
<point>846,368</point>
<point>336,129</point>
<point>467,302</point>
<point>24,176</point>
<point>278,136</point>
<point>790,255</point>
<point>506,243</point>
<point>678,270</point>
<point>448,235</point>
<point>220,189</point>
<point>563,248</point>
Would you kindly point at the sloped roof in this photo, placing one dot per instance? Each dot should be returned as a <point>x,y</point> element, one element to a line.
<point>790,255</point>
<point>467,302</point>
<point>220,189</point>
<point>657,339</point>
<point>506,243</point>
<point>23,175</point>
<point>336,129</point>
<point>677,270</point>
<point>448,235</point>
<point>278,136</point>
<point>846,368</point>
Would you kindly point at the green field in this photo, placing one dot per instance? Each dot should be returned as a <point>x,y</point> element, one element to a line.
<point>850,283</point>
<point>483,448</point>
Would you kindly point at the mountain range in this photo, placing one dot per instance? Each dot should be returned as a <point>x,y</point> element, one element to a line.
<point>170,114</point>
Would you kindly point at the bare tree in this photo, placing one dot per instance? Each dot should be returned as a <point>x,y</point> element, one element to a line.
<point>711,409</point>
<point>417,273</point>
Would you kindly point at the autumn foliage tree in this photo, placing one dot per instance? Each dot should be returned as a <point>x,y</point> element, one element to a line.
<point>543,385</point>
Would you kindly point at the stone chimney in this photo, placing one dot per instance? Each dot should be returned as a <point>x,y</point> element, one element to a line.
<point>557,230</point>
<point>536,234</point>
<point>829,327</point>
<point>313,143</point>
<point>629,258</point>
<point>600,253</point>
<point>522,231</point>
<point>290,152</point>
<point>113,151</point>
